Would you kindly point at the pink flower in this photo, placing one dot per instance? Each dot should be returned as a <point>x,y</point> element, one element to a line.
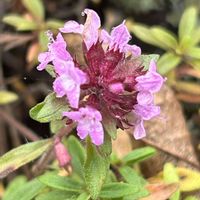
<point>57,54</point>
<point>112,78</point>
<point>145,109</point>
<point>89,123</point>
<point>69,84</point>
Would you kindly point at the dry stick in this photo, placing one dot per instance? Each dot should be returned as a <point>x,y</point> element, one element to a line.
<point>49,155</point>
<point>26,132</point>
<point>170,153</point>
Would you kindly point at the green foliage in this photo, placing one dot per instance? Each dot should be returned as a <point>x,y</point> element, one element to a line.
<point>91,177</point>
<point>61,183</point>
<point>22,155</point>
<point>18,181</point>
<point>183,48</point>
<point>95,170</point>
<point>7,97</point>
<point>78,155</point>
<point>26,191</point>
<point>35,23</point>
<point>57,194</point>
<point>19,22</point>
<point>138,155</point>
<point>117,190</point>
<point>50,109</point>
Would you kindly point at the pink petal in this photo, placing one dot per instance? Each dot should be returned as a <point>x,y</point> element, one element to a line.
<point>151,81</point>
<point>83,130</point>
<point>91,27</point>
<point>63,67</point>
<point>72,27</point>
<point>134,49</point>
<point>147,111</point>
<point>144,98</point>
<point>73,115</point>
<point>152,66</point>
<point>139,131</point>
<point>73,96</point>
<point>58,49</point>
<point>44,59</point>
<point>97,134</point>
<point>105,37</point>
<point>120,36</point>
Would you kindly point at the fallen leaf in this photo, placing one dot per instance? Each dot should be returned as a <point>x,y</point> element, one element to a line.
<point>160,191</point>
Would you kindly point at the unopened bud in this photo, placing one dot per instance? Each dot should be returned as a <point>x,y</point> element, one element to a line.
<point>61,153</point>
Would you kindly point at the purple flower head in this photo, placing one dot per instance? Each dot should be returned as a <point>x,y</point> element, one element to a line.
<point>112,81</point>
<point>89,123</point>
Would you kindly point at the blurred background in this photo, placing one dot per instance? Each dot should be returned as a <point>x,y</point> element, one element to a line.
<point>169,28</point>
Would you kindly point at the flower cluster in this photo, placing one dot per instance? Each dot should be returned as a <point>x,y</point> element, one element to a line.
<point>112,83</point>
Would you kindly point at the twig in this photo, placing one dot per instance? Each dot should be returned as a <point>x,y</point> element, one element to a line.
<point>26,132</point>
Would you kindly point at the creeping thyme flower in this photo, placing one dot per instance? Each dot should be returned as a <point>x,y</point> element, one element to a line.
<point>112,82</point>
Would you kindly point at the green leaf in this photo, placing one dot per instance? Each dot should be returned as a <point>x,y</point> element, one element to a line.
<point>167,62</point>
<point>7,97</point>
<point>139,155</point>
<point>117,190</point>
<point>26,191</point>
<point>143,33</point>
<point>61,183</point>
<point>83,196</point>
<point>35,7</point>
<point>147,58</point>
<point>20,23</point>
<point>43,41</point>
<point>95,170</point>
<point>164,37</point>
<point>22,155</point>
<point>77,153</point>
<point>54,24</point>
<point>130,176</point>
<point>170,176</point>
<point>195,36</point>
<point>193,52</point>
<point>57,195</point>
<point>110,126</point>
<point>56,125</point>
<point>50,109</point>
<point>188,22</point>
<point>13,185</point>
